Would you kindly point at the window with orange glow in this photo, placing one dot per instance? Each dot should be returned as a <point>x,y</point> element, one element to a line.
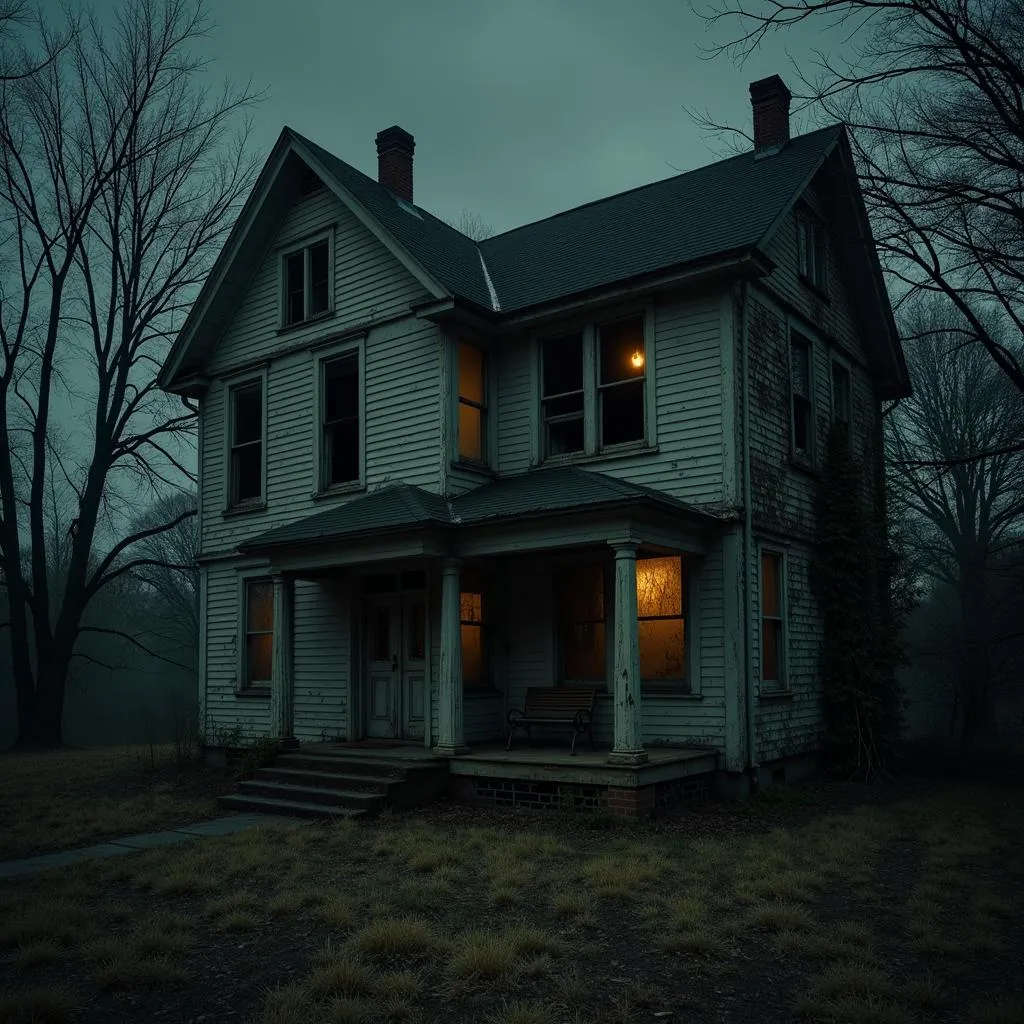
<point>772,646</point>
<point>471,628</point>
<point>259,632</point>
<point>661,610</point>
<point>621,381</point>
<point>472,403</point>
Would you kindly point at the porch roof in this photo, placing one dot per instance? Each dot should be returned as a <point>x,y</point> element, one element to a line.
<point>540,492</point>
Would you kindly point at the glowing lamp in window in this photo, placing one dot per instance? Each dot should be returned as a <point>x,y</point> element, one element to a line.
<point>637,359</point>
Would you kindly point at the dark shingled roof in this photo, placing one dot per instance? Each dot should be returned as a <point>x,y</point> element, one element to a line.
<point>537,493</point>
<point>725,207</point>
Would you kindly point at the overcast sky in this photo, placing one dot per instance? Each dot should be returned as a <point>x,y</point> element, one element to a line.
<point>519,108</point>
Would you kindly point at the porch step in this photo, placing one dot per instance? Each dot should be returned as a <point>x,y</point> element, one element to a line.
<point>358,800</point>
<point>319,783</point>
<point>294,808</point>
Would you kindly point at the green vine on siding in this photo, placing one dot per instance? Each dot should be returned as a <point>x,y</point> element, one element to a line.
<point>862,619</point>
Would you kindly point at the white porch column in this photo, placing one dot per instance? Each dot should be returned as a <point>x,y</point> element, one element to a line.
<point>628,746</point>
<point>282,683</point>
<point>449,709</point>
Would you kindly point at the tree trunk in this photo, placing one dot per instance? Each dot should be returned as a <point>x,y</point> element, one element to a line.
<point>40,719</point>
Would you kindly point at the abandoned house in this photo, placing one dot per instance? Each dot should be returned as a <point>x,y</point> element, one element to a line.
<point>562,476</point>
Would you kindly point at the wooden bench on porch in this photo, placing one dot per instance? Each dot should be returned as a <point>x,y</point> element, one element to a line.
<point>555,705</point>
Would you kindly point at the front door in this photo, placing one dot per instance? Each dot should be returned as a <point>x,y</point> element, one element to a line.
<point>396,639</point>
<point>383,674</point>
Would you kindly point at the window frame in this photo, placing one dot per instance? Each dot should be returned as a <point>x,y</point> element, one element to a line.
<point>322,355</point>
<point>589,327</point>
<point>687,685</point>
<point>487,432</point>
<point>486,683</point>
<point>812,258</point>
<point>305,245</point>
<point>232,385</point>
<point>242,685</point>
<point>838,362</point>
<point>808,460</point>
<point>782,683</point>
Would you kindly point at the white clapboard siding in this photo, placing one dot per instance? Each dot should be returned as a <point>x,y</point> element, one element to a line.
<point>322,659</point>
<point>369,285</point>
<point>688,370</point>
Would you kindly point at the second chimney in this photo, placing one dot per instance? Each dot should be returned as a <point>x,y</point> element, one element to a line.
<point>394,161</point>
<point>770,100</point>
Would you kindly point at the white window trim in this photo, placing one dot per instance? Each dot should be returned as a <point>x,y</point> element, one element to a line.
<point>230,385</point>
<point>836,358</point>
<point>304,245</point>
<point>781,685</point>
<point>490,460</point>
<point>244,577</point>
<point>812,460</point>
<point>589,327</point>
<point>324,354</point>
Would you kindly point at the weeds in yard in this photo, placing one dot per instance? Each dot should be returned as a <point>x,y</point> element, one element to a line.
<point>398,936</point>
<point>523,1013</point>
<point>924,993</point>
<point>59,921</point>
<point>700,941</point>
<point>574,905</point>
<point>779,916</point>
<point>623,875</point>
<point>36,954</point>
<point>572,990</point>
<point>293,901</point>
<point>336,911</point>
<point>287,1004</point>
<point>36,1006</point>
<point>125,971</point>
<point>342,976</point>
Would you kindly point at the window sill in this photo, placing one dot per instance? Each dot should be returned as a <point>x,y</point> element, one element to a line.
<point>667,690</point>
<point>253,693</point>
<point>481,468</point>
<point>774,694</point>
<point>308,322</point>
<point>243,510</point>
<point>804,466</point>
<point>338,489</point>
<point>818,291</point>
<point>619,452</point>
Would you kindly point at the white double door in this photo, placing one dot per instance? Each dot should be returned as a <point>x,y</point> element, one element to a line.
<point>395,628</point>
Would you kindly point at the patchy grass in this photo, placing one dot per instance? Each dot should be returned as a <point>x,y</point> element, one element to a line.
<point>531,918</point>
<point>61,799</point>
<point>36,1006</point>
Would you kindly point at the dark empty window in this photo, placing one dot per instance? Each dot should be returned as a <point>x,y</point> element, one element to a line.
<point>841,397</point>
<point>340,415</point>
<point>246,443</point>
<point>580,604</point>
<point>621,381</point>
<point>307,283</point>
<point>801,381</point>
<point>259,632</point>
<point>562,394</point>
<point>772,639</point>
<point>811,252</point>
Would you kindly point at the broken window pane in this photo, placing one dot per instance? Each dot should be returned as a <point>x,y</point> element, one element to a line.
<point>295,287</point>
<point>319,300</point>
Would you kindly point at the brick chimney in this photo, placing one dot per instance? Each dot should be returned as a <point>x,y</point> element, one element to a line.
<point>394,161</point>
<point>770,100</point>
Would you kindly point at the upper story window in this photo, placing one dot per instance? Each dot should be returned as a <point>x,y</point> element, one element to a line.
<point>472,425</point>
<point>307,282</point>
<point>812,252</point>
<point>842,403</point>
<point>245,403</point>
<point>594,388</point>
<point>340,434</point>
<point>801,386</point>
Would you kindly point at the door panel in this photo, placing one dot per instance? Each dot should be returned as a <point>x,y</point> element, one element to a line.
<point>414,660</point>
<point>383,672</point>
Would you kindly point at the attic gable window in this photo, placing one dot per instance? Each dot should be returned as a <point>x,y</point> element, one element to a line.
<point>307,282</point>
<point>801,398</point>
<point>246,443</point>
<point>595,389</point>
<point>811,252</point>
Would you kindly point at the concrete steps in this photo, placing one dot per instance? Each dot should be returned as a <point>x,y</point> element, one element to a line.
<point>326,782</point>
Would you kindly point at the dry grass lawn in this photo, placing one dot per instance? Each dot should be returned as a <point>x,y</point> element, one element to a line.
<point>60,799</point>
<point>907,913</point>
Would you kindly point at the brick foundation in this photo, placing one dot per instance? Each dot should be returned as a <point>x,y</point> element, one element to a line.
<point>620,801</point>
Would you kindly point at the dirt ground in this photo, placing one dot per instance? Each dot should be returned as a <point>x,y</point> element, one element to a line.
<point>819,903</point>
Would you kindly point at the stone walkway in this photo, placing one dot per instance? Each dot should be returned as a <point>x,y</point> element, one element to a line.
<point>147,841</point>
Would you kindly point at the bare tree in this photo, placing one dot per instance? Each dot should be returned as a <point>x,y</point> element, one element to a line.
<point>931,90</point>
<point>958,472</point>
<point>119,179</point>
<point>472,225</point>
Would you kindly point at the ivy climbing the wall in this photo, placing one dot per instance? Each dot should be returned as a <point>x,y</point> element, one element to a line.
<point>862,622</point>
